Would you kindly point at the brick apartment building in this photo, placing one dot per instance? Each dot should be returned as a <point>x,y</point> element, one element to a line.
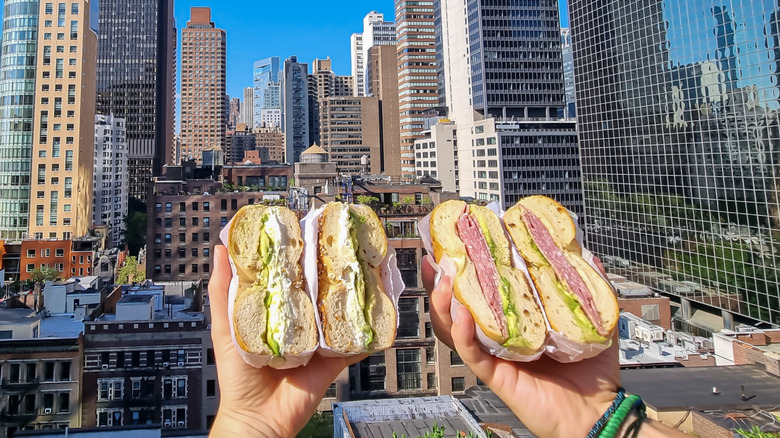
<point>40,386</point>
<point>69,258</point>
<point>185,218</point>
<point>140,371</point>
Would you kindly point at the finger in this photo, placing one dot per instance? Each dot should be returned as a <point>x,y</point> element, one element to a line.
<point>468,347</point>
<point>441,298</point>
<point>428,273</point>
<point>219,284</point>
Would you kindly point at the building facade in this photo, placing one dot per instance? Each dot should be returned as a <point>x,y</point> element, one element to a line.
<point>238,142</point>
<point>295,108</point>
<point>382,73</point>
<point>247,112</point>
<point>323,83</point>
<point>376,32</point>
<point>504,89</point>
<point>110,176</point>
<point>19,45</point>
<point>567,52</point>
<point>357,67</point>
<point>136,78</point>
<point>417,74</point>
<point>351,134</point>
<point>267,89</point>
<point>64,122</point>
<point>678,121</point>
<point>41,386</point>
<point>436,155</point>
<point>270,143</point>
<point>203,64</point>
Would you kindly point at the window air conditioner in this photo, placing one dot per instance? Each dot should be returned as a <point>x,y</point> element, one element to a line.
<point>180,424</point>
<point>105,366</point>
<point>166,364</point>
<point>47,411</point>
<point>181,364</point>
<point>167,424</point>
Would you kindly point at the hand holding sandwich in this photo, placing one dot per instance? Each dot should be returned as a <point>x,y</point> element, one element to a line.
<point>261,402</point>
<point>552,399</point>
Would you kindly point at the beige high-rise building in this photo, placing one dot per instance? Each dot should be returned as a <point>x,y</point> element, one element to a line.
<point>63,140</point>
<point>417,77</point>
<point>382,74</point>
<point>323,83</point>
<point>203,65</point>
<point>350,133</point>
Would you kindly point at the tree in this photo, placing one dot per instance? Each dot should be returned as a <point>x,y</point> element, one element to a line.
<point>319,426</point>
<point>130,272</point>
<point>368,200</point>
<point>135,232</point>
<point>756,432</point>
<point>44,274</point>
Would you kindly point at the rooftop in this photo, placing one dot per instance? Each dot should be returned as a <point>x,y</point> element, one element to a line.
<point>17,316</point>
<point>407,416</point>
<point>671,389</point>
<point>491,411</point>
<point>136,299</point>
<point>61,326</point>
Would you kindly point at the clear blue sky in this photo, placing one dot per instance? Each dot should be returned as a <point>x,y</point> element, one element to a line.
<point>309,30</point>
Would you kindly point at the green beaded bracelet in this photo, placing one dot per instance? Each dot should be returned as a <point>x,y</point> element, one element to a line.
<point>617,419</point>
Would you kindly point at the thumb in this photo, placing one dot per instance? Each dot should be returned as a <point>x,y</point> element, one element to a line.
<point>469,348</point>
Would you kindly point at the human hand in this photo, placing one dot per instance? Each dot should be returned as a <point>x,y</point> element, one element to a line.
<point>552,399</point>
<point>261,402</point>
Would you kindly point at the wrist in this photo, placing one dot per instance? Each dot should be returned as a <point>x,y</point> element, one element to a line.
<point>590,413</point>
<point>230,422</point>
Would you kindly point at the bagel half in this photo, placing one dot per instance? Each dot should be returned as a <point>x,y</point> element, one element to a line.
<point>272,314</point>
<point>496,292</point>
<point>357,314</point>
<point>578,301</point>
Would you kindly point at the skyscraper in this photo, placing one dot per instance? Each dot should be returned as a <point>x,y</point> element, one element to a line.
<point>568,72</point>
<point>248,107</point>
<point>64,122</point>
<point>268,93</point>
<point>136,76</point>
<point>323,83</point>
<point>17,104</point>
<point>417,78</point>
<point>382,73</point>
<point>678,110</point>
<point>203,120</point>
<point>295,104</point>
<point>504,90</point>
<point>376,32</point>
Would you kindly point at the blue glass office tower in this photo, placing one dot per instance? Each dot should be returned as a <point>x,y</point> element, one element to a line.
<point>680,139</point>
<point>267,88</point>
<point>17,101</point>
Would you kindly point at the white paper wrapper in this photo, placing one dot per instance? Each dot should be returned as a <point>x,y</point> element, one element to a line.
<point>390,275</point>
<point>557,346</point>
<point>255,360</point>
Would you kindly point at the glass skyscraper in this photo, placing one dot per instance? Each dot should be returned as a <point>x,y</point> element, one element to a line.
<point>678,117</point>
<point>268,92</point>
<point>17,102</point>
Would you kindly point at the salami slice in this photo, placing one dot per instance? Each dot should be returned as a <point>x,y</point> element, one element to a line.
<point>563,268</point>
<point>487,274</point>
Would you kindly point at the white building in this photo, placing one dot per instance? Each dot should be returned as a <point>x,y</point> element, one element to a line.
<point>436,155</point>
<point>270,118</point>
<point>247,107</point>
<point>111,176</point>
<point>376,32</point>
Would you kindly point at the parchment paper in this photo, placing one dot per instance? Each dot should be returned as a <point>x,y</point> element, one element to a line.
<point>390,275</point>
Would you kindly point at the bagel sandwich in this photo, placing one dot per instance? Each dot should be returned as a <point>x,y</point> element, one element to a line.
<point>272,314</point>
<point>356,313</point>
<point>496,293</point>
<point>578,301</point>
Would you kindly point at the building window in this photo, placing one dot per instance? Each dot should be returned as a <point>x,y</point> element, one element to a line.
<point>408,309</point>
<point>331,392</point>
<point>109,417</point>
<point>408,366</point>
<point>372,373</point>
<point>407,264</point>
<point>174,417</point>
<point>211,388</point>
<point>65,371</point>
<point>110,389</point>
<point>174,387</point>
<point>455,358</point>
<point>431,381</point>
<point>64,402</point>
<point>430,355</point>
<point>48,371</point>
<point>428,330</point>
<point>210,356</point>
<point>458,384</point>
